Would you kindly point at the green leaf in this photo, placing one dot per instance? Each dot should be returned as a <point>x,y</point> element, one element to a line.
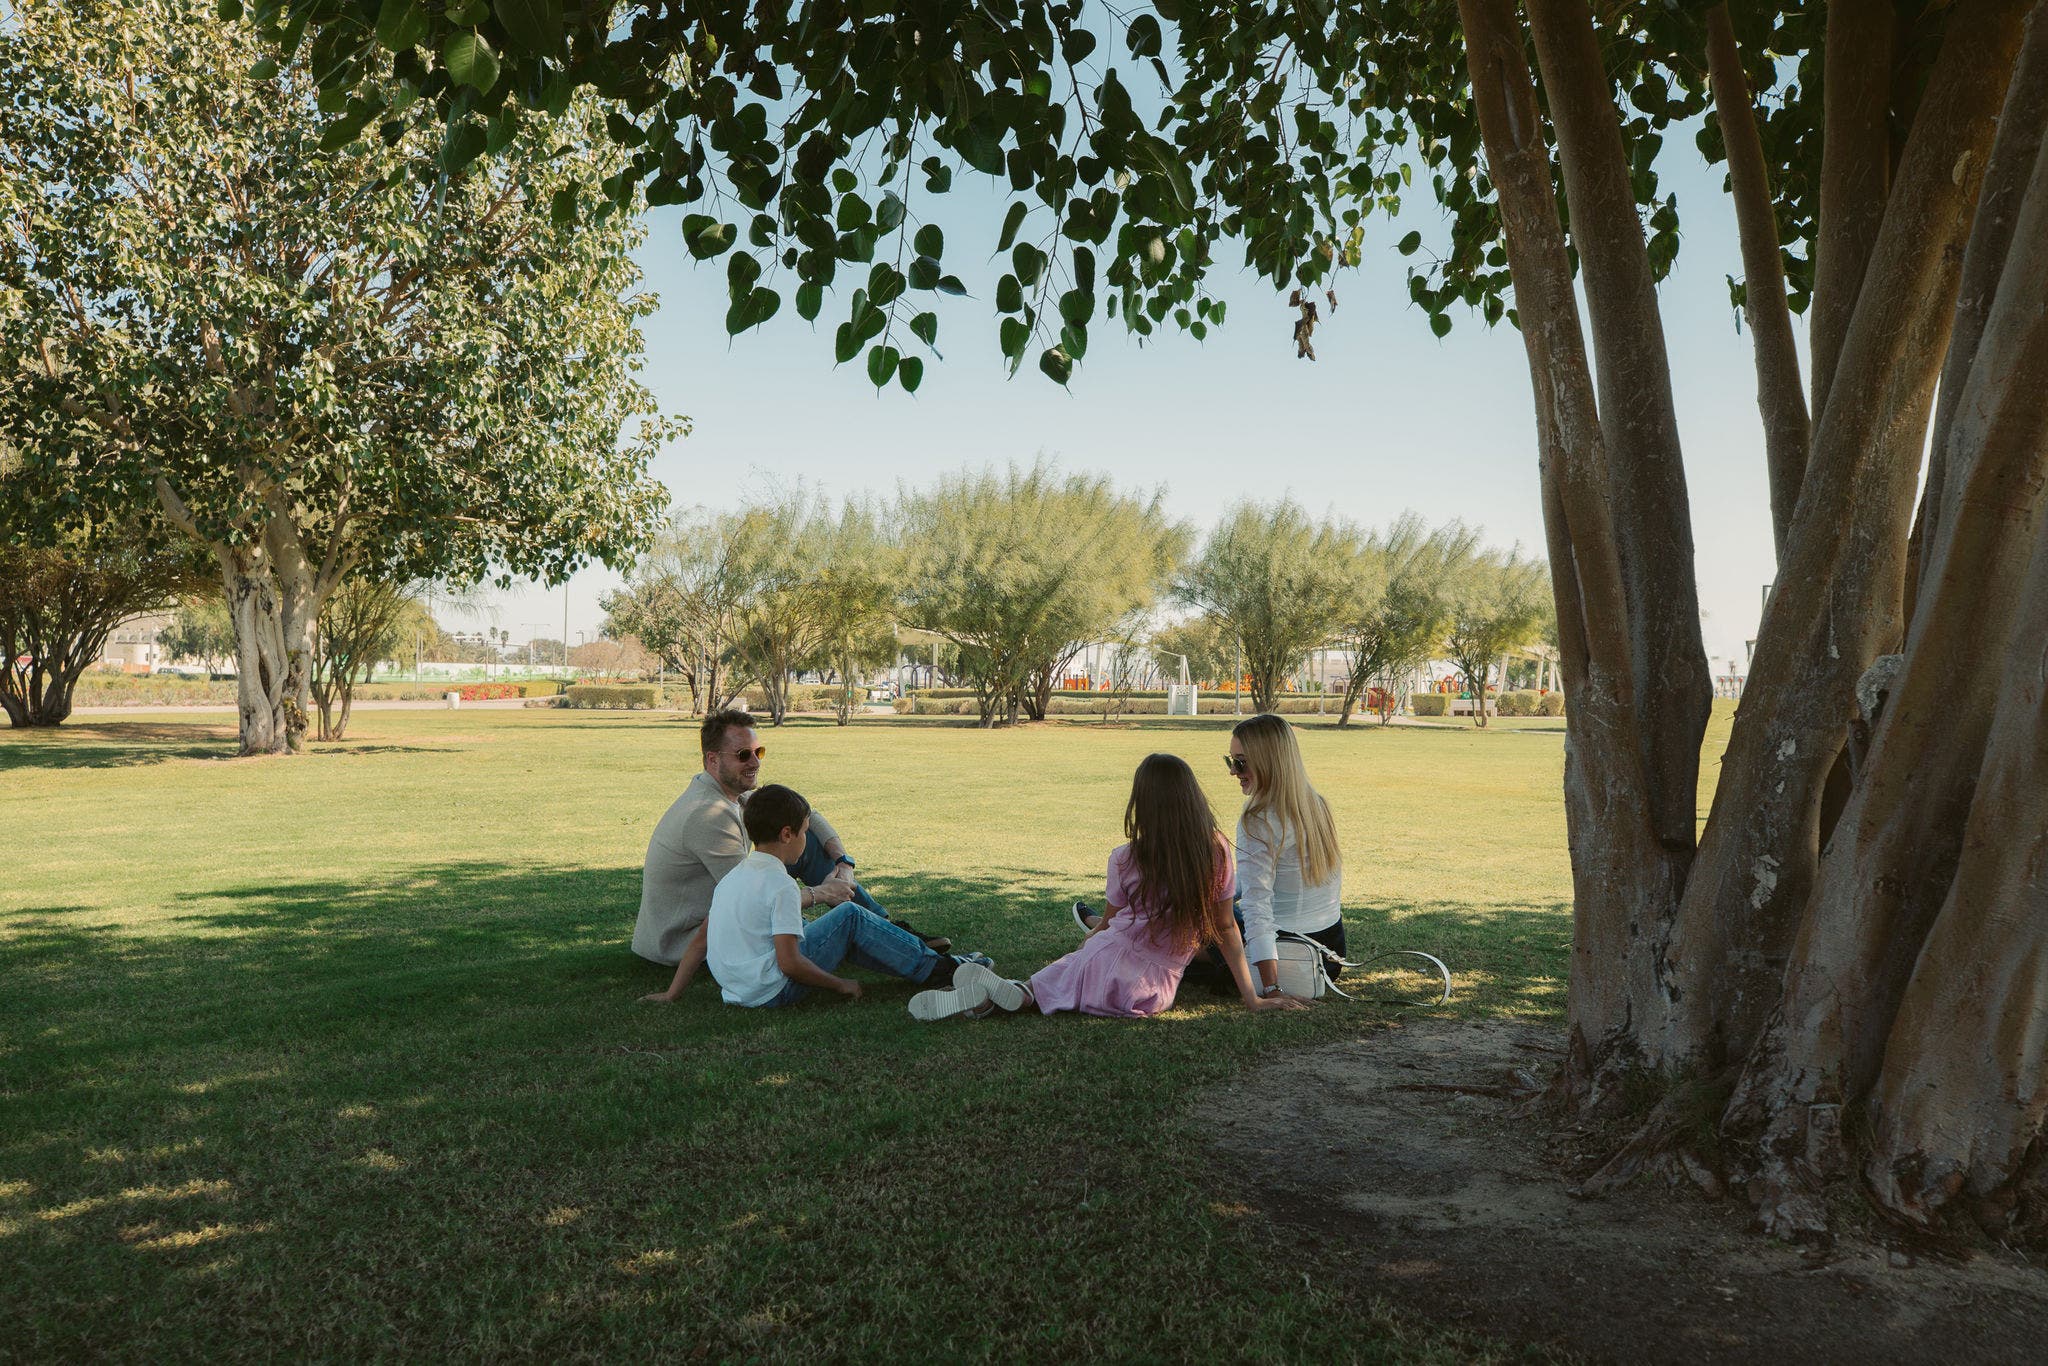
<point>1077,306</point>
<point>1057,365</point>
<point>924,273</point>
<point>401,25</point>
<point>1012,221</point>
<point>890,213</point>
<point>882,364</point>
<point>470,61</point>
<point>562,208</point>
<point>230,10</point>
<point>1080,43</point>
<point>463,144</point>
<point>536,25</point>
<point>810,298</point>
<point>1074,341</point>
<point>1407,245</point>
<point>885,284</point>
<point>938,179</point>
<point>950,284</point>
<point>344,130</point>
<point>1009,295</point>
<point>845,343</point>
<point>706,237</point>
<point>929,241</point>
<point>910,373</point>
<point>1440,323</point>
<point>1027,261</point>
<point>264,70</point>
<point>1159,157</point>
<point>853,213</point>
<point>1015,337</point>
<point>925,327</point>
<point>1143,39</point>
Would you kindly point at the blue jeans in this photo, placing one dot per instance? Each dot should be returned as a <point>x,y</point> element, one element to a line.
<point>815,866</point>
<point>855,934</point>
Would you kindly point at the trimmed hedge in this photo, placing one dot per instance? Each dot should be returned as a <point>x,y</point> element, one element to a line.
<point>614,696</point>
<point>1099,704</point>
<point>1519,702</point>
<point>1550,704</point>
<point>1431,703</point>
<point>1087,695</point>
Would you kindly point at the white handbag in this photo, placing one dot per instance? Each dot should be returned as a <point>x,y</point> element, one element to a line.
<point>1303,968</point>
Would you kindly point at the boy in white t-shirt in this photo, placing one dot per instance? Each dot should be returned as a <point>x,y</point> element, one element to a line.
<point>757,945</point>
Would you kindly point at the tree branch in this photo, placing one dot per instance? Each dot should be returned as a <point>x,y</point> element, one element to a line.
<point>1779,396</point>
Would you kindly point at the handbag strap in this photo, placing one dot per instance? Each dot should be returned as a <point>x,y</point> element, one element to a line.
<point>1329,955</point>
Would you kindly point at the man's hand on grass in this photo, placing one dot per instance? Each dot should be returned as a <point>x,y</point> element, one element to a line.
<point>848,988</point>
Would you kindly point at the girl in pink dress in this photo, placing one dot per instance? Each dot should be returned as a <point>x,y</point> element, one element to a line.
<point>1169,892</point>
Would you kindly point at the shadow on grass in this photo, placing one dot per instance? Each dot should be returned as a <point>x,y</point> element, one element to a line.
<point>423,1114</point>
<point>131,744</point>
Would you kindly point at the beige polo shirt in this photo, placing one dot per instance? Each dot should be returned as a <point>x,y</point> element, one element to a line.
<point>698,840</point>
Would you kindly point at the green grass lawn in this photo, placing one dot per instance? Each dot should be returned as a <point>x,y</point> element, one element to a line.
<point>339,1056</point>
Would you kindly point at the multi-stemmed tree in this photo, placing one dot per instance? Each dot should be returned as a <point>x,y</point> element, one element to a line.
<point>1395,619</point>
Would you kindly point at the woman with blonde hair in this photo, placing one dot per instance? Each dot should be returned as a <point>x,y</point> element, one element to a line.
<point>1289,873</point>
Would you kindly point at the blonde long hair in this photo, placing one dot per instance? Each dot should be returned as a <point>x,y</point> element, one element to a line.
<point>1282,798</point>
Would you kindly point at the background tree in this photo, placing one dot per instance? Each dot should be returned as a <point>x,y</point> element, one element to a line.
<point>1205,640</point>
<point>310,361</point>
<point>1023,568</point>
<point>858,576</point>
<point>1882,172</point>
<point>683,597</point>
<point>362,623</point>
<point>201,630</point>
<point>1278,581</point>
<point>1400,606</point>
<point>59,602</point>
<point>1495,606</point>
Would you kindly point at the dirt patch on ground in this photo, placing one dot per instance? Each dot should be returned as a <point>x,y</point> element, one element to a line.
<point>1376,1174</point>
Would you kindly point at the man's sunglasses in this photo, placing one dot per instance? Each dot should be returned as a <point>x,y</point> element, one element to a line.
<point>759,752</point>
<point>1237,765</point>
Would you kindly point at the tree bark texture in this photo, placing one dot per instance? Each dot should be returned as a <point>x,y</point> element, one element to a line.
<point>1968,684</point>
<point>1856,159</point>
<point>1839,604</point>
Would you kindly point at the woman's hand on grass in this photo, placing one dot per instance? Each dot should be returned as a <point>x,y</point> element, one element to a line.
<point>657,998</point>
<point>1281,1002</point>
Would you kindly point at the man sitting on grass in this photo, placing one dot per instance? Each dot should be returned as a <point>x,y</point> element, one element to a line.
<point>758,947</point>
<point>701,838</point>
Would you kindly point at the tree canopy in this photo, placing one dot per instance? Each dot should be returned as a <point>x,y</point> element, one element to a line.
<point>305,358</point>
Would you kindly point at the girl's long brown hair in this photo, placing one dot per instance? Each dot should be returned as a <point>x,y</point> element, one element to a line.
<point>1174,844</point>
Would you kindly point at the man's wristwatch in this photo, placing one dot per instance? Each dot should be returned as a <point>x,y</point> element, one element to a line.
<point>842,859</point>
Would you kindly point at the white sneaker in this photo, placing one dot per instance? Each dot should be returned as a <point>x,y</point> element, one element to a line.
<point>973,986</point>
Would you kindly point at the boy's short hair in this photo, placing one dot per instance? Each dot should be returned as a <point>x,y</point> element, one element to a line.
<point>772,810</point>
<point>711,735</point>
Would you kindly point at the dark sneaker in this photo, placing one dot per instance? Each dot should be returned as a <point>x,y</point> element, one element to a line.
<point>974,986</point>
<point>937,943</point>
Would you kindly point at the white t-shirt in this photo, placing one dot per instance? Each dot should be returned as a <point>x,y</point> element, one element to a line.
<point>1269,877</point>
<point>750,906</point>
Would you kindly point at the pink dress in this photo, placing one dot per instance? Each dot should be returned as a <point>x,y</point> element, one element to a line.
<point>1124,969</point>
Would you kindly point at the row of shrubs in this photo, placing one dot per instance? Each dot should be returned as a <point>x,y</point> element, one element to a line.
<point>1522,702</point>
<point>1096,696</point>
<point>431,691</point>
<point>613,696</point>
<point>1527,702</point>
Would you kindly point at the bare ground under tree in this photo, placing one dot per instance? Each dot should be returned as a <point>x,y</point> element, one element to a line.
<point>1399,1162</point>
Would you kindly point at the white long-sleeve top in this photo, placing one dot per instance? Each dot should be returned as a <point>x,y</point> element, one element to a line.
<point>1269,881</point>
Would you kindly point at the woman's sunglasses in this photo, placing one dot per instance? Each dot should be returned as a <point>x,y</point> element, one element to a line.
<point>1236,765</point>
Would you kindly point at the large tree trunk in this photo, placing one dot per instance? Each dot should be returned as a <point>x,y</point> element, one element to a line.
<point>1903,859</point>
<point>1839,604</point>
<point>1624,881</point>
<point>270,599</point>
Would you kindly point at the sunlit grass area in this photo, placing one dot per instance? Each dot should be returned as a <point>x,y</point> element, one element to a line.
<point>340,1056</point>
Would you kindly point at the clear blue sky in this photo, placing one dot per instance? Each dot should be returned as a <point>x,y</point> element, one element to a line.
<point>1389,418</point>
